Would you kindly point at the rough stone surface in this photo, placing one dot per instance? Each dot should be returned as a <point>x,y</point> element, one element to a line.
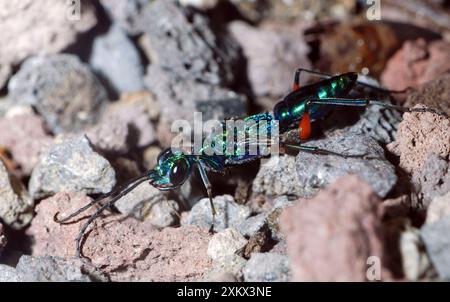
<point>227,268</point>
<point>273,54</point>
<point>433,94</point>
<point>61,88</point>
<point>226,243</point>
<point>16,206</point>
<point>182,42</point>
<point>3,240</point>
<point>47,269</point>
<point>415,262</point>
<point>228,213</point>
<point>115,59</point>
<point>258,243</point>
<point>71,165</point>
<point>180,99</point>
<point>438,208</point>
<point>137,110</point>
<point>437,243</point>
<point>111,135</point>
<point>200,4</point>
<point>416,63</point>
<point>433,178</point>
<point>31,27</point>
<point>315,170</point>
<point>128,14</point>
<point>125,249</point>
<point>8,274</point>
<point>277,177</point>
<point>291,10</point>
<point>252,225</point>
<point>267,267</point>
<point>280,248</point>
<point>25,137</point>
<point>273,216</point>
<point>418,135</point>
<point>331,237</point>
<point>149,203</point>
<point>377,122</point>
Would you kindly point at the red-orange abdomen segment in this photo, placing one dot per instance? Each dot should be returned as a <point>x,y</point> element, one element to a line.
<point>305,126</point>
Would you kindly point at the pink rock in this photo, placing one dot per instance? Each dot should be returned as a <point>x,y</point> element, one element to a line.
<point>122,247</point>
<point>332,236</point>
<point>434,94</point>
<point>416,63</point>
<point>25,137</point>
<point>418,135</point>
<point>30,28</point>
<point>136,109</point>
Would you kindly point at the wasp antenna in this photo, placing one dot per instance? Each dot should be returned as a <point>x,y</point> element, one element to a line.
<point>116,195</point>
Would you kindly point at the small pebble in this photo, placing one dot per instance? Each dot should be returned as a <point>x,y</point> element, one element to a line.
<point>267,267</point>
<point>228,213</point>
<point>71,165</point>
<point>437,243</point>
<point>225,243</point>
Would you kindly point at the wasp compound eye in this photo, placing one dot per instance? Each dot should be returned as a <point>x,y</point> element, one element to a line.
<point>179,172</point>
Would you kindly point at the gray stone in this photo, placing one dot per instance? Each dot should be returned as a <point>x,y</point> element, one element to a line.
<point>280,248</point>
<point>61,88</point>
<point>182,42</point>
<point>437,243</point>
<point>200,4</point>
<point>3,240</point>
<point>274,214</point>
<point>315,171</point>
<point>29,27</point>
<point>71,165</point>
<point>438,208</point>
<point>8,274</point>
<point>128,14</point>
<point>415,262</point>
<point>433,178</point>
<point>163,214</point>
<point>278,177</point>
<point>267,267</point>
<point>137,110</point>
<point>116,60</point>
<point>47,269</point>
<point>226,243</point>
<point>16,206</point>
<point>273,53</point>
<point>111,134</point>
<point>148,203</point>
<point>377,122</point>
<point>227,268</point>
<point>252,225</point>
<point>228,213</point>
<point>179,99</point>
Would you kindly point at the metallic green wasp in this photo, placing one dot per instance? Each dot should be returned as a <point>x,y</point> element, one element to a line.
<point>301,108</point>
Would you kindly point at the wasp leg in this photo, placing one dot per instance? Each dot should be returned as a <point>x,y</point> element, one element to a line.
<point>313,149</point>
<point>318,150</point>
<point>208,187</point>
<point>366,103</point>
<point>324,75</point>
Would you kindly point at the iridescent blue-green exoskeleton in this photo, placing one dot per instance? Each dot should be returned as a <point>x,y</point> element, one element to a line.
<point>301,108</point>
